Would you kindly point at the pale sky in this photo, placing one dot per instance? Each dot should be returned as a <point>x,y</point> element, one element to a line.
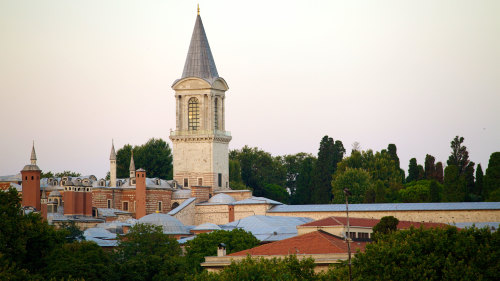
<point>76,74</point>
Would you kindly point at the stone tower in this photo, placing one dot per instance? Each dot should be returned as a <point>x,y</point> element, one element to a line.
<point>112,166</point>
<point>31,183</point>
<point>200,141</point>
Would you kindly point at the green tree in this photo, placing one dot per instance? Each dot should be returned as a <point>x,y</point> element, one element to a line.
<point>431,254</point>
<point>439,172</point>
<point>155,156</point>
<point>67,174</point>
<point>259,168</point>
<point>430,167</point>
<point>479,182</point>
<point>24,239</point>
<point>276,192</point>
<point>470,182</point>
<point>235,171</point>
<point>386,225</point>
<point>205,244</point>
<point>392,151</point>
<point>459,155</point>
<point>74,233</point>
<point>330,153</point>
<point>84,260</point>
<point>146,253</point>
<point>412,170</point>
<point>435,191</point>
<point>288,268</point>
<point>454,185</point>
<point>48,174</point>
<point>358,182</point>
<point>491,188</point>
<point>416,192</point>
<point>304,182</point>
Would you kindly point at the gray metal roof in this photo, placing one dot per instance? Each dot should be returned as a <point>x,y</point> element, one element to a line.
<point>181,206</point>
<point>31,167</point>
<point>170,224</point>
<point>269,228</point>
<point>207,226</point>
<point>98,232</point>
<point>199,61</point>
<point>221,198</point>
<point>181,194</point>
<point>388,207</point>
<point>257,200</point>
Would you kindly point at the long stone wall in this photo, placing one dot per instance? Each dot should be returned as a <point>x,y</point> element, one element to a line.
<point>442,216</point>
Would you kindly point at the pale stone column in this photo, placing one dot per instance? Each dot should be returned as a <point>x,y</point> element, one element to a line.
<point>178,113</point>
<point>223,113</point>
<point>210,113</point>
<point>202,113</point>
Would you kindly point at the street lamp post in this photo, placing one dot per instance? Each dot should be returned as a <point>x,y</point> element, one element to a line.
<point>348,238</point>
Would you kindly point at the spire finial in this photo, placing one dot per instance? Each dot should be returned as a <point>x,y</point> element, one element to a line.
<point>33,154</point>
<point>198,9</point>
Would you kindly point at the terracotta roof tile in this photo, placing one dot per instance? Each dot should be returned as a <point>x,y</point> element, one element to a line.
<point>317,242</point>
<point>362,222</point>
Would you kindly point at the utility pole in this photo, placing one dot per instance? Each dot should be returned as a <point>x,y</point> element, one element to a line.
<point>347,193</point>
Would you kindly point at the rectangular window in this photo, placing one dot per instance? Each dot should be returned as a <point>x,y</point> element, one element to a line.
<point>352,235</point>
<point>109,203</point>
<point>186,182</point>
<point>363,235</point>
<point>219,181</point>
<point>200,181</point>
<point>125,206</point>
<point>159,206</point>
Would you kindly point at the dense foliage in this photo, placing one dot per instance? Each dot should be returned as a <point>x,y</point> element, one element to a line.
<point>299,178</point>
<point>155,156</point>
<point>205,244</point>
<point>431,254</point>
<point>249,269</point>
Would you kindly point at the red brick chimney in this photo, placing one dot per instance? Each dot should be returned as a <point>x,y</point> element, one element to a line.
<point>140,193</point>
<point>31,183</point>
<point>43,203</point>
<point>69,198</point>
<point>87,201</point>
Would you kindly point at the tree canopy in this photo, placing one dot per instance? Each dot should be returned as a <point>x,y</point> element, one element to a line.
<point>205,244</point>
<point>155,156</point>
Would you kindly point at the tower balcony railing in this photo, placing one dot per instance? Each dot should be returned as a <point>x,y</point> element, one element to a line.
<point>200,132</point>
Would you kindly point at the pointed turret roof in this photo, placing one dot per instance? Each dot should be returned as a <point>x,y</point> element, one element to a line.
<point>132,164</point>
<point>199,62</point>
<point>33,154</point>
<point>112,156</point>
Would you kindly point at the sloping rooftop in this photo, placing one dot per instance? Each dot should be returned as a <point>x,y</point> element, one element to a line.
<point>207,226</point>
<point>362,222</point>
<point>387,207</point>
<point>199,61</point>
<point>170,224</point>
<point>268,228</point>
<point>257,200</point>
<point>316,242</point>
<point>182,206</point>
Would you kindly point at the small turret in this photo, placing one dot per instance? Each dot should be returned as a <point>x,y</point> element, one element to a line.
<point>132,168</point>
<point>33,155</point>
<point>112,166</point>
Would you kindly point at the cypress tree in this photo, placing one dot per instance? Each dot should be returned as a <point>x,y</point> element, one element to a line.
<point>412,170</point>
<point>454,185</point>
<point>434,191</point>
<point>439,172</point>
<point>479,182</point>
<point>430,168</point>
<point>492,178</point>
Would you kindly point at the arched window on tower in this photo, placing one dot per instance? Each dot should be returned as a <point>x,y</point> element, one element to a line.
<point>216,114</point>
<point>193,114</point>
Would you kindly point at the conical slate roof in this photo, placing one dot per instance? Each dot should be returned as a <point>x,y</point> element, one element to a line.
<point>112,156</point>
<point>33,154</point>
<point>199,62</point>
<point>132,164</point>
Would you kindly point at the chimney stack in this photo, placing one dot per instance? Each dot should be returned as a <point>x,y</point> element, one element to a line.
<point>140,193</point>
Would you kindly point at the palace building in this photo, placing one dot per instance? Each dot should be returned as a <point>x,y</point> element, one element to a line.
<point>199,193</point>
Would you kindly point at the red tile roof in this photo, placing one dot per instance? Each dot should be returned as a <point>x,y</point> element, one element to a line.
<point>361,222</point>
<point>316,242</point>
